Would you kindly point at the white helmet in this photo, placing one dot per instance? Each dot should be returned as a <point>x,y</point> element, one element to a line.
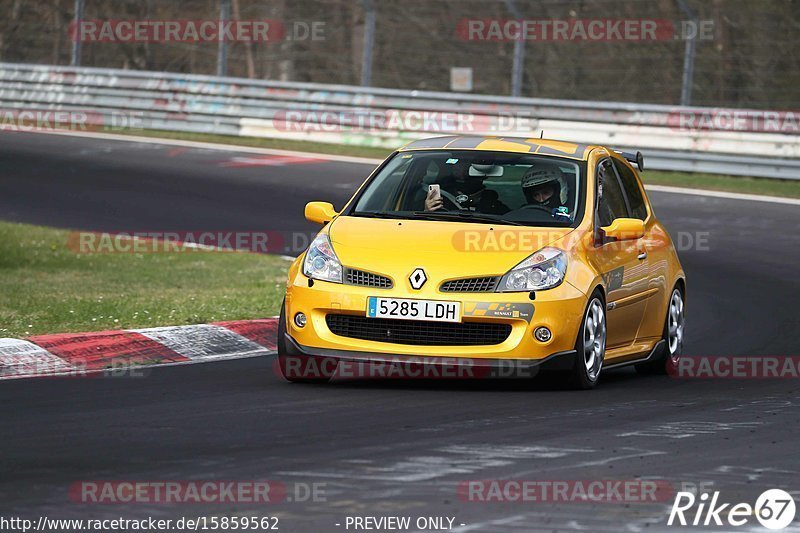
<point>541,174</point>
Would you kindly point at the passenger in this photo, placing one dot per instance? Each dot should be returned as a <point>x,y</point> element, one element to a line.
<point>465,192</point>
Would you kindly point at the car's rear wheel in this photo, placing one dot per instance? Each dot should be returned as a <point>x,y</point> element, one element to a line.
<point>590,344</point>
<point>672,346</point>
<point>300,368</point>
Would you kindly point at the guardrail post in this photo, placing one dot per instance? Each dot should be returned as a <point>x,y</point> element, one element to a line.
<point>222,47</point>
<point>518,65</point>
<point>688,55</point>
<point>369,42</point>
<point>76,38</point>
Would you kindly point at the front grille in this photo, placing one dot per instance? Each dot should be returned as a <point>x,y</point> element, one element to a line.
<point>366,279</point>
<point>418,332</point>
<point>487,284</point>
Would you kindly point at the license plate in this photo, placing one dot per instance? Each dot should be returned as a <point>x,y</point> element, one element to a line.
<point>399,308</point>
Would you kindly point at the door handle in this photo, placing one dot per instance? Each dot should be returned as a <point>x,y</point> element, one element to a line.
<point>642,256</point>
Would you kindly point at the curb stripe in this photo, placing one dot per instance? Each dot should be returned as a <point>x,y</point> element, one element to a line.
<point>81,353</point>
<point>204,341</point>
<point>262,332</point>
<point>19,358</point>
<point>269,161</point>
<point>96,351</point>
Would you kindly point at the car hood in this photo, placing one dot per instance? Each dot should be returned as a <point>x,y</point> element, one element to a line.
<point>445,249</point>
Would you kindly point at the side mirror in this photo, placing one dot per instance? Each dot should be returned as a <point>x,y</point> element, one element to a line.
<point>320,212</point>
<point>625,229</point>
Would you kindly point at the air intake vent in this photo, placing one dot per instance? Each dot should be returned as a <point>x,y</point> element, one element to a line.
<point>418,332</point>
<point>486,284</point>
<point>366,279</point>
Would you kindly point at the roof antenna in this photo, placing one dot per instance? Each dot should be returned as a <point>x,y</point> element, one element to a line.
<point>541,134</point>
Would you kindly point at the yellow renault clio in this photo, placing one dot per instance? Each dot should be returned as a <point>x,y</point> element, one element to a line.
<point>492,253</point>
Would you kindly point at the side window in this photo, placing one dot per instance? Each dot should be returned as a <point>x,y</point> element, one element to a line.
<point>632,190</point>
<point>612,202</point>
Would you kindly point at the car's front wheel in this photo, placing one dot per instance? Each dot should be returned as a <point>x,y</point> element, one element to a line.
<point>300,368</point>
<point>590,344</point>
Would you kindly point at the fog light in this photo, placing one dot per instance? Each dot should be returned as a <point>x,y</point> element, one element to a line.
<point>300,320</point>
<point>542,334</point>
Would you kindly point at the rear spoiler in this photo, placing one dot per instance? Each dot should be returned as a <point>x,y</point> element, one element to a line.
<point>634,159</point>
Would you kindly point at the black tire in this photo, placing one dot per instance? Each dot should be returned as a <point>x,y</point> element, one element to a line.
<point>300,368</point>
<point>586,370</point>
<point>665,360</point>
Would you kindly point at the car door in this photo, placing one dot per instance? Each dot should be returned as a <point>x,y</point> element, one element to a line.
<point>622,264</point>
<point>655,244</point>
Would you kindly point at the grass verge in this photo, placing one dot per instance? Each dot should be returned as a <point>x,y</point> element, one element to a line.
<point>47,288</point>
<point>274,144</point>
<point>716,182</point>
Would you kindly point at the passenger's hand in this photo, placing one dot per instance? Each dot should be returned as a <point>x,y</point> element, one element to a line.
<point>433,203</point>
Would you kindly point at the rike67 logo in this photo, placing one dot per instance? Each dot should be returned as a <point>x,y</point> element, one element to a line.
<point>774,509</point>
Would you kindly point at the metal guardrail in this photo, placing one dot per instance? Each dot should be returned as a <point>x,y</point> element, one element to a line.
<point>386,117</point>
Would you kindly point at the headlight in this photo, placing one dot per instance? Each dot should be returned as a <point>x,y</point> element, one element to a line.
<point>321,261</point>
<point>543,270</point>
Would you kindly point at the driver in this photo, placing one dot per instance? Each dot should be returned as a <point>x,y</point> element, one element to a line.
<point>468,191</point>
<point>546,187</point>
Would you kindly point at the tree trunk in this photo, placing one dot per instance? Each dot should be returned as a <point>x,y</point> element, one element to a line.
<point>248,45</point>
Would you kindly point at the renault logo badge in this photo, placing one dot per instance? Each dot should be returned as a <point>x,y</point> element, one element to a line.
<point>417,279</point>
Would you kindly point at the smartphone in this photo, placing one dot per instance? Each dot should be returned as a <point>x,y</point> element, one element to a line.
<point>434,188</point>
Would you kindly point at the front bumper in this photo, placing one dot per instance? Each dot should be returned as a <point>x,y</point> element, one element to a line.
<point>560,309</point>
<point>428,366</point>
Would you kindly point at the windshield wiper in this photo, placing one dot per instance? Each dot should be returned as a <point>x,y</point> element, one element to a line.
<point>466,216</point>
<point>379,214</point>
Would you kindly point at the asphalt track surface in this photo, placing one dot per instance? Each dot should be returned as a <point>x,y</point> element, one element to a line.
<point>387,447</point>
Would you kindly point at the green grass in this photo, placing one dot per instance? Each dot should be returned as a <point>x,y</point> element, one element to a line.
<point>716,182</point>
<point>274,144</point>
<point>47,288</point>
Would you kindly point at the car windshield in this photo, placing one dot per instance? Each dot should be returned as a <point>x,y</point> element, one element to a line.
<point>477,186</point>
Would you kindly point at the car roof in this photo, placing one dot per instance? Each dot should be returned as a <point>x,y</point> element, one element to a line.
<point>526,145</point>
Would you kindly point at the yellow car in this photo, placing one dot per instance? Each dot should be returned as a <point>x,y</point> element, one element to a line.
<point>488,253</point>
